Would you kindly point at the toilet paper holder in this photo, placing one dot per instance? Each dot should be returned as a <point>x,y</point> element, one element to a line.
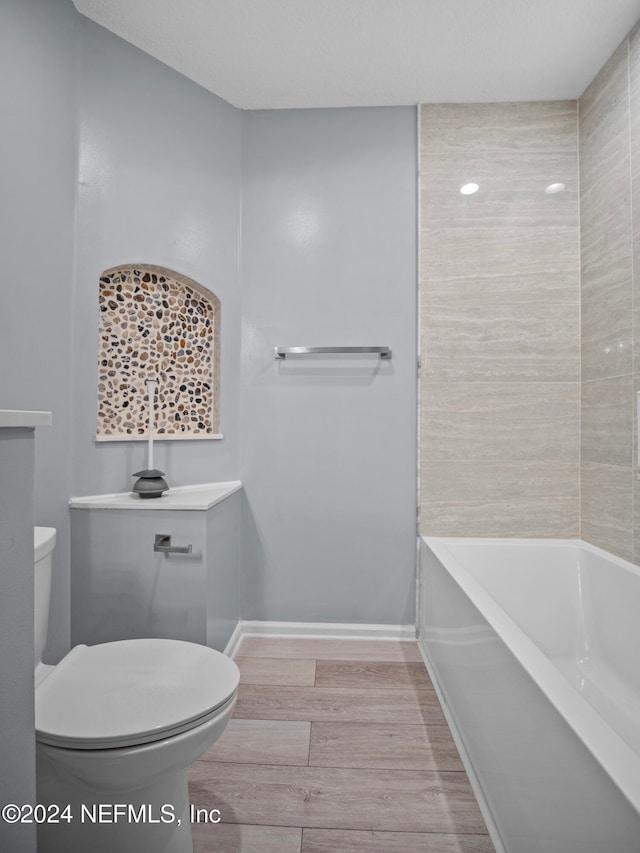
<point>162,543</point>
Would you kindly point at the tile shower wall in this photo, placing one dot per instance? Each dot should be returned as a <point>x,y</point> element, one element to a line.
<point>500,321</point>
<point>609,132</point>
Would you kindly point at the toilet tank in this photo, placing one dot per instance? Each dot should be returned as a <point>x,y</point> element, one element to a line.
<point>44,540</point>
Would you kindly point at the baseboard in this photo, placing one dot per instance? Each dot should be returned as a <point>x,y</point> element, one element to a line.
<point>231,649</point>
<point>339,630</point>
<point>492,828</point>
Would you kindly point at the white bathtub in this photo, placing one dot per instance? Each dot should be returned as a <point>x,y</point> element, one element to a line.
<point>534,648</point>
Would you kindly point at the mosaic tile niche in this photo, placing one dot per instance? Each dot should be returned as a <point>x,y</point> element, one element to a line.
<point>157,324</point>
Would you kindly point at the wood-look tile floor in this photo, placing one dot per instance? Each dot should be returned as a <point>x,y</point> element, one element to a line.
<point>335,746</point>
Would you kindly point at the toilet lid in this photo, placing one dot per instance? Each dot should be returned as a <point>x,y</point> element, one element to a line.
<point>131,692</point>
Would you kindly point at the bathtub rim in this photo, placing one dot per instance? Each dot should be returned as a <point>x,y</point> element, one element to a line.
<point>613,754</point>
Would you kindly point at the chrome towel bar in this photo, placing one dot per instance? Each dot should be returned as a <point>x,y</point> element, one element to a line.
<point>283,352</point>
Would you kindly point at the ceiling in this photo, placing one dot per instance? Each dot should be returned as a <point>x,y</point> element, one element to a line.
<point>278,54</point>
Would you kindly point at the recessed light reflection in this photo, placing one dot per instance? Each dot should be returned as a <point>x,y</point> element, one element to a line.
<point>552,189</point>
<point>470,188</point>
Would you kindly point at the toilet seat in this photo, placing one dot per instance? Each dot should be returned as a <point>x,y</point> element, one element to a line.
<point>132,692</point>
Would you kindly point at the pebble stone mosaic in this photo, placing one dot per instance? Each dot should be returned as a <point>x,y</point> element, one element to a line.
<point>157,324</point>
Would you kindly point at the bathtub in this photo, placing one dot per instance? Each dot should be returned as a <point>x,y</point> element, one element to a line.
<point>534,649</point>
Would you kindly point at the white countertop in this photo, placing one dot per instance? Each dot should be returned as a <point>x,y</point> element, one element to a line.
<point>199,497</point>
<point>13,418</point>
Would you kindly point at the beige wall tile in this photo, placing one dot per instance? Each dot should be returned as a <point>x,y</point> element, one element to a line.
<point>520,128</point>
<point>635,238</point>
<point>634,103</point>
<point>516,343</point>
<point>511,191</point>
<point>604,185</point>
<point>634,93</point>
<point>607,328</point>
<point>636,516</point>
<point>524,517</point>
<point>502,422</point>
<point>603,109</point>
<point>607,508</point>
<point>605,223</point>
<point>634,61</point>
<point>489,498</point>
<point>607,421</point>
<point>500,264</point>
<point>635,415</point>
<point>609,130</point>
<point>500,322</point>
<point>492,480</point>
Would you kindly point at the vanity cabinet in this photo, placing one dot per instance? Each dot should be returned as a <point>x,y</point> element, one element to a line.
<point>17,719</point>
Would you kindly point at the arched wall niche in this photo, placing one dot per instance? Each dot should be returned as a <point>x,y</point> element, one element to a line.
<point>157,323</point>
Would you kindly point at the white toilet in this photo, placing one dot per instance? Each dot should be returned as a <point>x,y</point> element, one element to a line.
<point>117,727</point>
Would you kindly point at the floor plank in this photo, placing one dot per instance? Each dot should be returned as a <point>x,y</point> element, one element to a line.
<point>235,838</point>
<point>323,704</point>
<point>299,672</point>
<point>353,841</point>
<point>372,674</point>
<point>329,798</point>
<point>383,746</point>
<point>262,742</point>
<point>329,648</point>
<point>384,774</point>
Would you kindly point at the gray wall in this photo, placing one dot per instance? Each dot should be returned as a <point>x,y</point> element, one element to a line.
<point>328,444</point>
<point>499,321</point>
<point>155,161</point>
<point>609,114</point>
<point>223,571</point>
<point>159,182</point>
<point>116,158</point>
<point>37,179</point>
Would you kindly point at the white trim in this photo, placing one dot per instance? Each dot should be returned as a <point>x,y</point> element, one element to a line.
<point>201,496</point>
<point>231,649</point>
<point>492,827</point>
<point>13,418</point>
<point>160,437</point>
<point>344,630</point>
